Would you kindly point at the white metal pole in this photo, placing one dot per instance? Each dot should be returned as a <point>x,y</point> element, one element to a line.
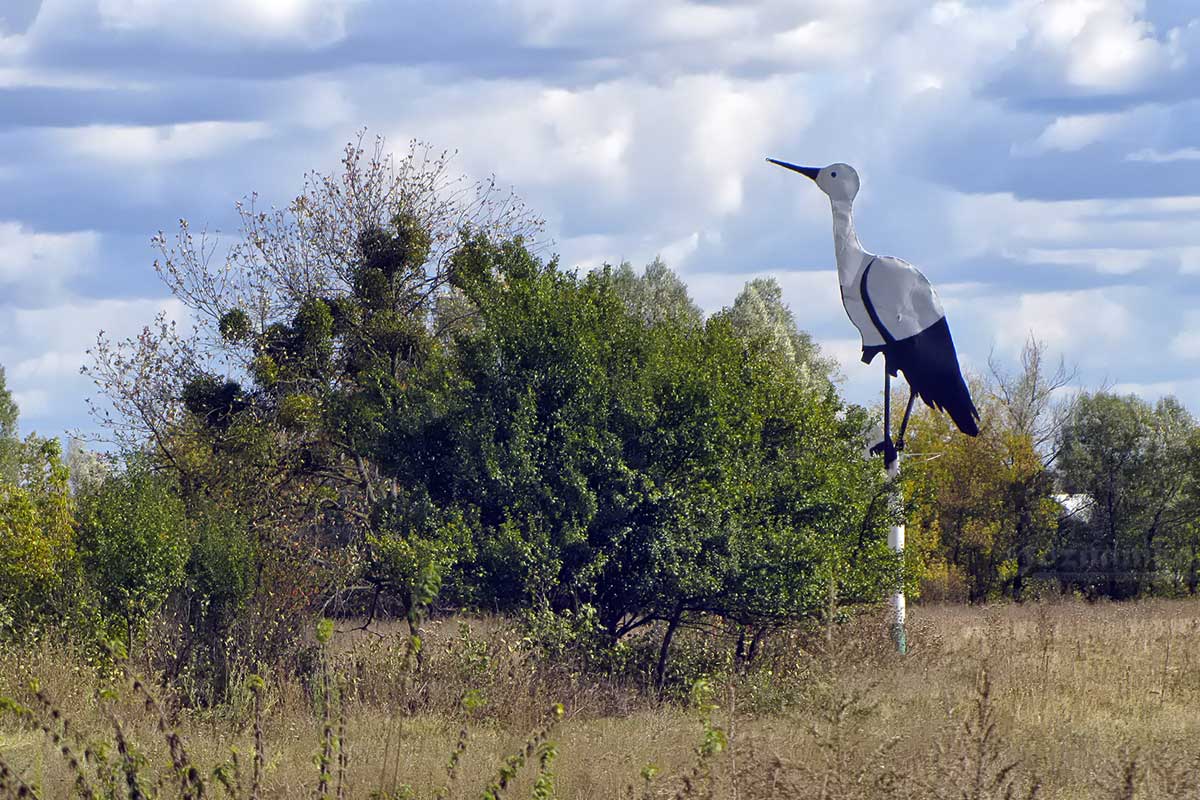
<point>896,542</point>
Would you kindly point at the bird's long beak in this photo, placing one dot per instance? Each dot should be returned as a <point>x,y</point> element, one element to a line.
<point>811,172</point>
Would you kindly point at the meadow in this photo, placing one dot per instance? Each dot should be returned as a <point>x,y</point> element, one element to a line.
<point>1057,700</point>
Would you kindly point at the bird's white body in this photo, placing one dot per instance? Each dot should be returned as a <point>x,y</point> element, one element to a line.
<point>904,301</point>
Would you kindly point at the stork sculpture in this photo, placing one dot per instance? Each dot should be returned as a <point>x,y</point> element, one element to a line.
<point>898,314</point>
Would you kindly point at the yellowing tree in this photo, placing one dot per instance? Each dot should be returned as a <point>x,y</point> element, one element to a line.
<point>37,542</point>
<point>981,515</point>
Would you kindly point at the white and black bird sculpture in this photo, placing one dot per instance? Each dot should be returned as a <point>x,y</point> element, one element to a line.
<point>898,314</point>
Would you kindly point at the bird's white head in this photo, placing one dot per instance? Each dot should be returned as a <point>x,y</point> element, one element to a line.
<point>839,181</point>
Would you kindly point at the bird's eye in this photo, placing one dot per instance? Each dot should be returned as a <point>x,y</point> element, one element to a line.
<point>833,174</point>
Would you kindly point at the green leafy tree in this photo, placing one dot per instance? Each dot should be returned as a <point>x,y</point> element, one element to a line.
<point>760,313</point>
<point>1132,459</point>
<point>1184,540</point>
<point>656,296</point>
<point>648,470</point>
<point>392,378</point>
<point>133,544</point>
<point>10,443</point>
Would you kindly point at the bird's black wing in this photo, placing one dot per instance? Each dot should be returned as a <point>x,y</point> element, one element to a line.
<point>930,365</point>
<point>905,309</point>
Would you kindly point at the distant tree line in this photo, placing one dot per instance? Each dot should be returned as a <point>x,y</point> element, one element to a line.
<point>1088,492</point>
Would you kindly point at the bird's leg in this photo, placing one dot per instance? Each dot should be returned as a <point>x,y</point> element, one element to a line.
<point>904,422</point>
<point>886,448</point>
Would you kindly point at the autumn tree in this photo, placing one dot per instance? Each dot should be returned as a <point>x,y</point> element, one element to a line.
<point>981,508</point>
<point>39,576</point>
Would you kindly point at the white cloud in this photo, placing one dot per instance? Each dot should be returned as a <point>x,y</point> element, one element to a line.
<point>32,404</point>
<point>49,78</point>
<point>32,261</point>
<point>811,294</point>
<point>72,326</point>
<point>143,145</point>
<point>847,352</point>
<point>1100,45</point>
<point>1189,260</point>
<point>782,34</point>
<point>1083,322</point>
<point>639,129</point>
<point>48,365</point>
<point>1184,389</point>
<point>312,22</point>
<point>1153,156</point>
<point>44,348</point>
<point>1186,343</point>
<point>1068,134</point>
<point>1114,235</point>
<point>1109,261</point>
<point>678,151</point>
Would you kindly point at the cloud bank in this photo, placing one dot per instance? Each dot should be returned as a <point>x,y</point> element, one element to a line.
<point>1036,158</point>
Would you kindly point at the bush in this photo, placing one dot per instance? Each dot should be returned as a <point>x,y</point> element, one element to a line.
<point>133,544</point>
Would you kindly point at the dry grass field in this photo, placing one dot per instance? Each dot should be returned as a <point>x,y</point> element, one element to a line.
<point>1062,700</point>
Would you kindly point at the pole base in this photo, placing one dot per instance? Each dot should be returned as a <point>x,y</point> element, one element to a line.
<point>900,637</point>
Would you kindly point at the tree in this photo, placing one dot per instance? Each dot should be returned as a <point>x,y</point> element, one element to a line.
<point>390,376</point>
<point>1030,405</point>
<point>10,443</point>
<point>980,508</point>
<point>649,470</point>
<point>87,468</point>
<point>309,335</point>
<point>38,568</point>
<point>133,544</point>
<point>1184,541</point>
<point>656,296</point>
<point>1133,459</point>
<point>759,312</point>
<point>1031,400</point>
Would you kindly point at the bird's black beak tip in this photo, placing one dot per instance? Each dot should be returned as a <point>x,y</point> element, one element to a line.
<point>810,172</point>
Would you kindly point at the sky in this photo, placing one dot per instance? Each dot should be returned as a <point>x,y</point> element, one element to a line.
<point>1039,160</point>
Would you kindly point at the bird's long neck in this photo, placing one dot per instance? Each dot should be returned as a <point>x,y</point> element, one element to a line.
<point>851,258</point>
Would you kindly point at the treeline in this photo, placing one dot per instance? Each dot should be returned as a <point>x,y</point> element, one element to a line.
<point>1092,492</point>
<point>388,401</point>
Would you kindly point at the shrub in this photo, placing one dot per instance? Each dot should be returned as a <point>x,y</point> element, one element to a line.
<point>133,544</point>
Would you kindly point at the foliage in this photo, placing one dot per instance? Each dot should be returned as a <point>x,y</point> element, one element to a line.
<point>760,313</point>
<point>657,296</point>
<point>38,567</point>
<point>278,412</point>
<point>133,544</point>
<point>982,505</point>
<point>981,510</point>
<point>1136,463</point>
<point>10,443</point>
<point>647,471</point>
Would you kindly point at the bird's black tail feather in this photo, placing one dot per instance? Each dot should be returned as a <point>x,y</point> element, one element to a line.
<point>930,365</point>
